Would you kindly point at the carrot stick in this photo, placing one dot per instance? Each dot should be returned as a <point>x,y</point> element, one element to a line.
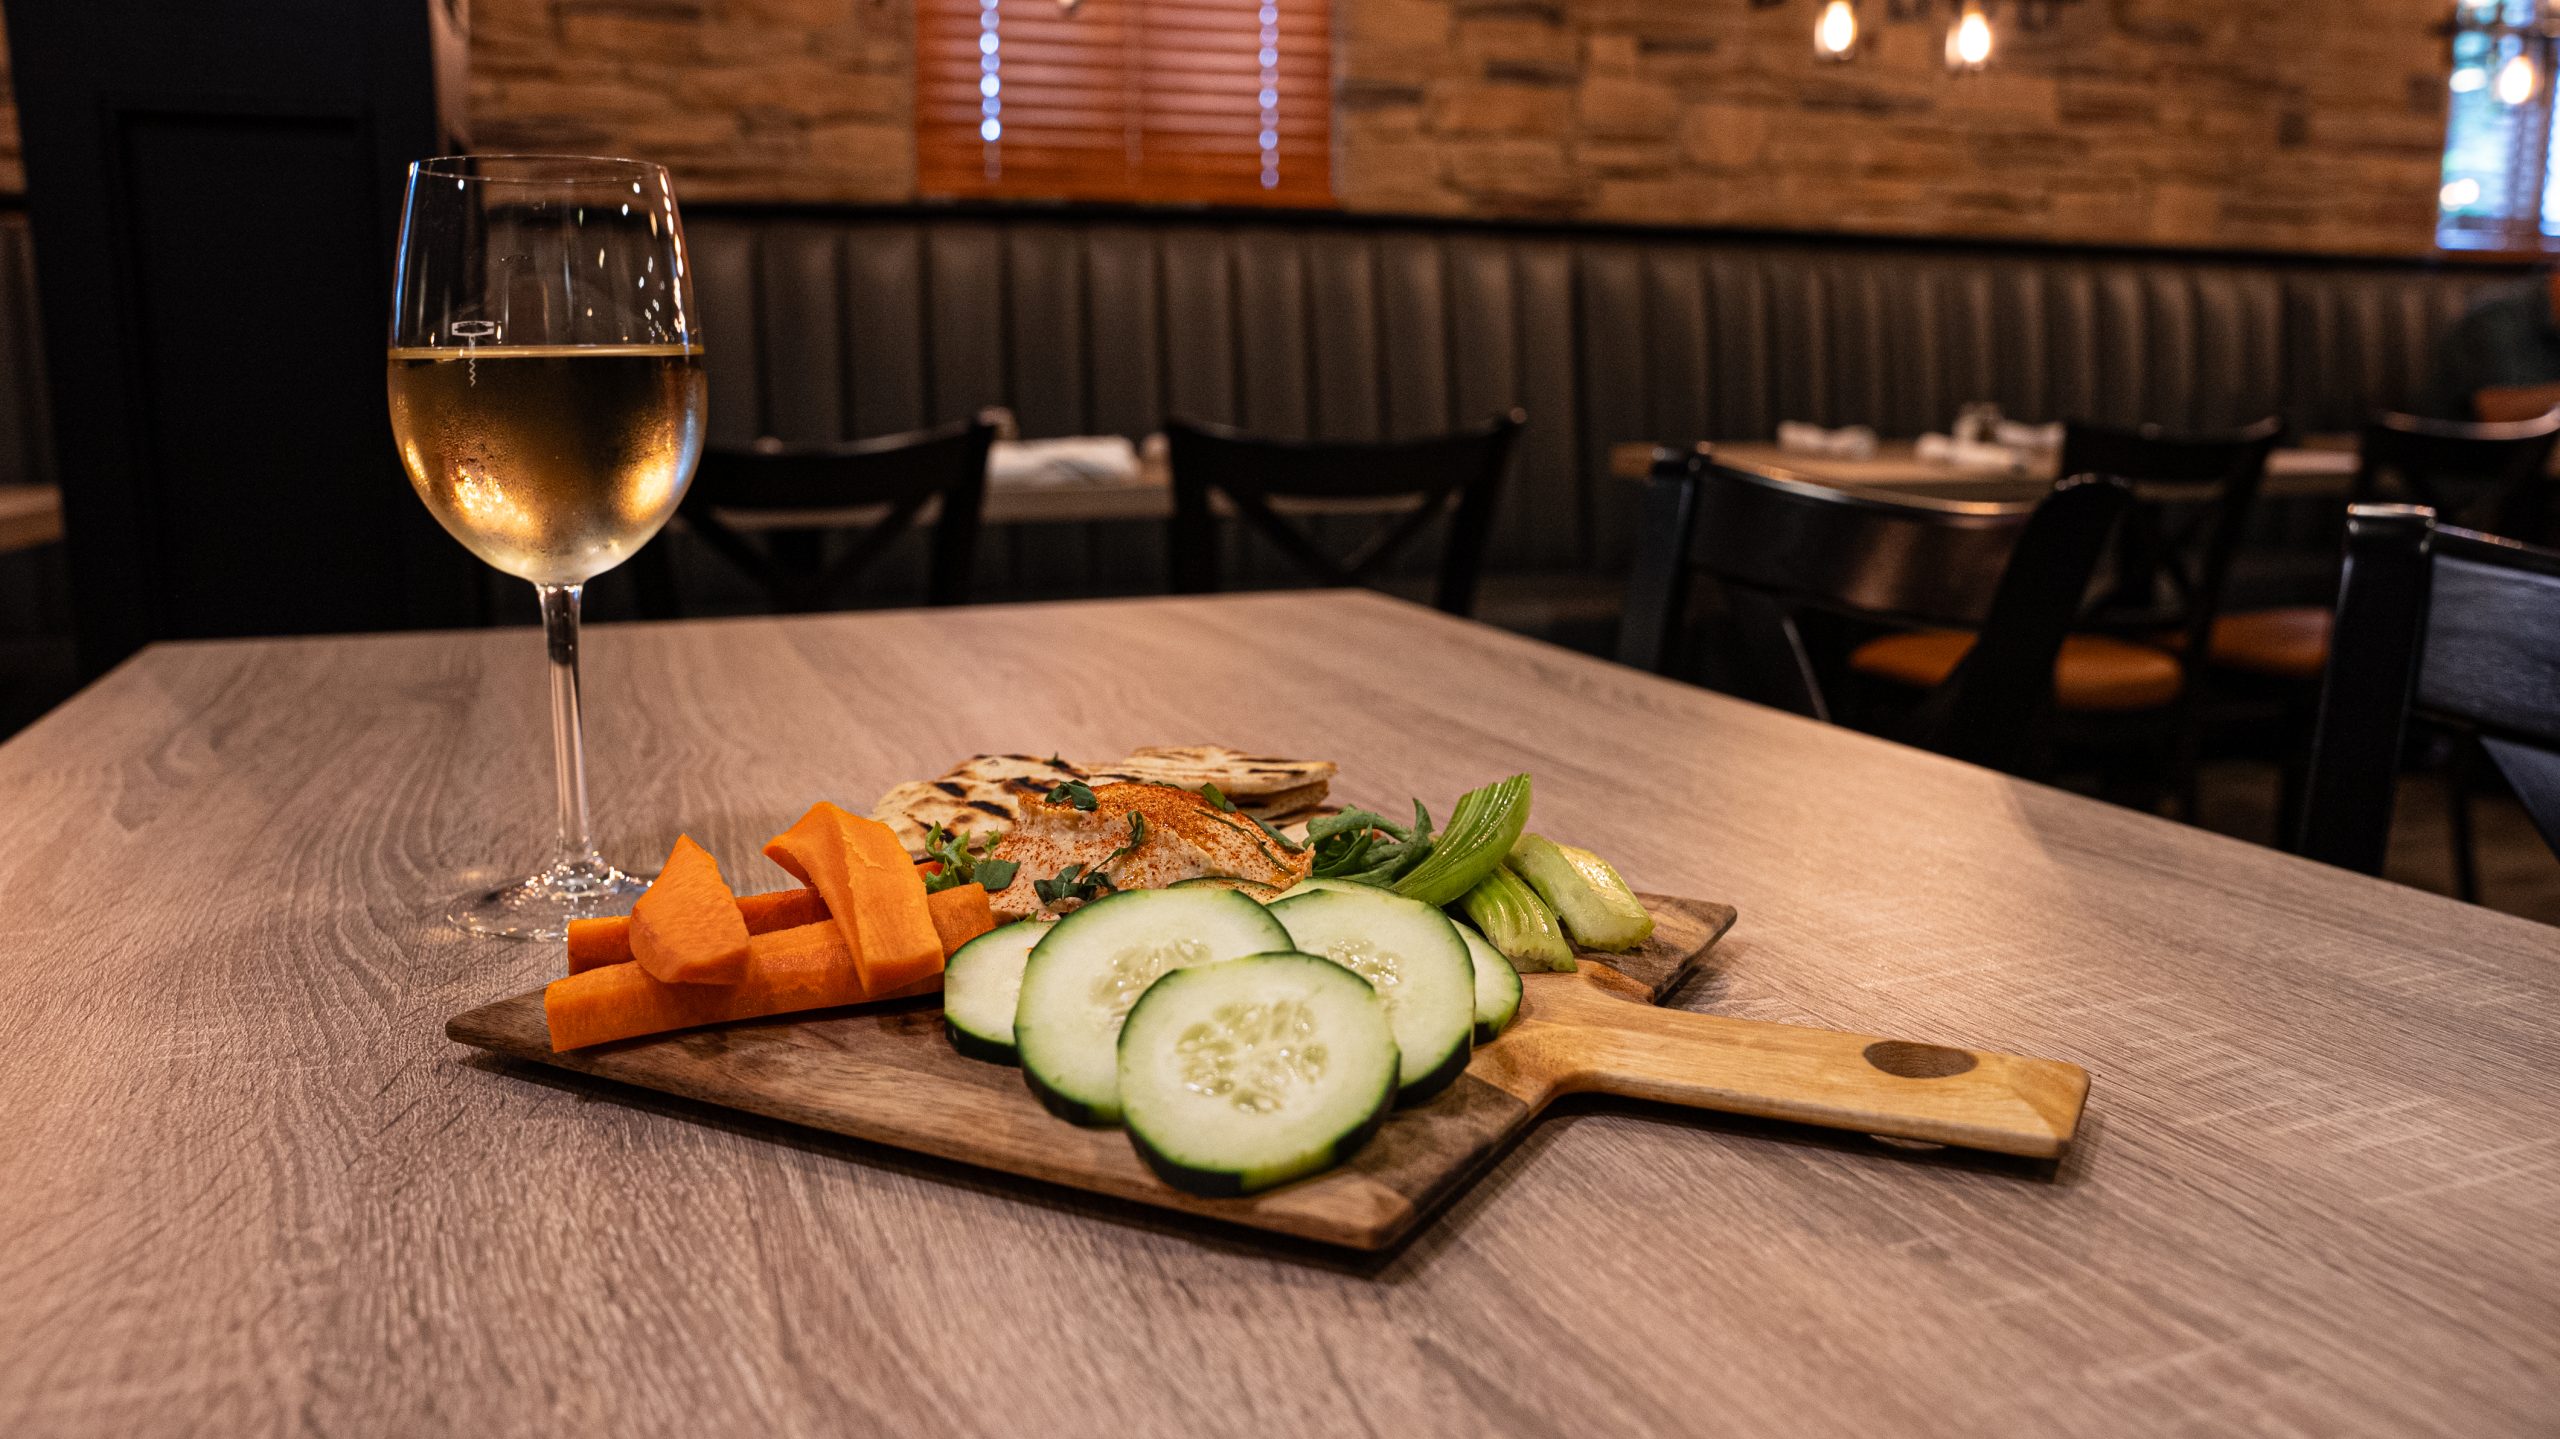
<point>687,928</point>
<point>960,914</point>
<point>788,970</point>
<point>871,888</point>
<point>594,942</point>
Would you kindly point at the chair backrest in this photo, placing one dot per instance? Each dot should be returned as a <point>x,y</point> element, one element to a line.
<point>2488,476</point>
<point>901,473</point>
<point>2016,573</point>
<point>2448,624</point>
<point>2214,476</point>
<point>1457,474</point>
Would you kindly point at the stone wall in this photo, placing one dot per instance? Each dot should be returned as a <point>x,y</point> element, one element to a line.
<point>2240,123</point>
<point>743,99</point>
<point>2276,124</point>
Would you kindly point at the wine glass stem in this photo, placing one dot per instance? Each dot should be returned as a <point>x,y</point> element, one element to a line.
<point>568,738</point>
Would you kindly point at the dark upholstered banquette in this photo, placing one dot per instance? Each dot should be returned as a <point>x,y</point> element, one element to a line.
<point>847,325</point>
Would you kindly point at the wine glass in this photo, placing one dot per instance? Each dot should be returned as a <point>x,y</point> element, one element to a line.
<point>547,395</point>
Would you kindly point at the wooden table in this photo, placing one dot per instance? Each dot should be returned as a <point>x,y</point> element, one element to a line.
<point>2319,470</point>
<point>251,1188</point>
<point>30,515</point>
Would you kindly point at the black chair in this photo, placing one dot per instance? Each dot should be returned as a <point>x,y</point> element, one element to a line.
<point>1782,550</point>
<point>1417,481</point>
<point>2482,476</point>
<point>768,509</point>
<point>2196,493</point>
<point>2133,686</point>
<point>2491,476</point>
<point>2174,554</point>
<point>2443,624</point>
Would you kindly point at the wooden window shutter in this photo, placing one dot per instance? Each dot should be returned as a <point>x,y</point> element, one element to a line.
<point>1213,101</point>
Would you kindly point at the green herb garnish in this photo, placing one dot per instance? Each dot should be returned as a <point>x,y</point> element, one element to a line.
<point>1353,841</point>
<point>1067,883</point>
<point>963,860</point>
<point>1075,792</point>
<point>1079,883</point>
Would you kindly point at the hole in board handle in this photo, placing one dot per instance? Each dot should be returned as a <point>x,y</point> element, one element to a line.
<point>1902,1058</point>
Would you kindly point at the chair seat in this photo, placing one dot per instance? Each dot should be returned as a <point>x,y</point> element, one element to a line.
<point>2289,643</point>
<point>2094,674</point>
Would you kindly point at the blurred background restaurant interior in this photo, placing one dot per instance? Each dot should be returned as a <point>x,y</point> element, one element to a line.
<point>1887,246</point>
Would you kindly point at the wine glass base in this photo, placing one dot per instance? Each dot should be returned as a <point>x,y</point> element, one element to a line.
<point>540,906</point>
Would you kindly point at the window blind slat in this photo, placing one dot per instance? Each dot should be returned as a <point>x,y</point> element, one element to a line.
<point>1126,99</point>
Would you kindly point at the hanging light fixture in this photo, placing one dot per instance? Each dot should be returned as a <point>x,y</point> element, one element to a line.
<point>1835,35</point>
<point>1969,39</point>
<point>1840,29</point>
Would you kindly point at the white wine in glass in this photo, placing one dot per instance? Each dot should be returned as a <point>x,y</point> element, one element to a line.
<point>547,397</point>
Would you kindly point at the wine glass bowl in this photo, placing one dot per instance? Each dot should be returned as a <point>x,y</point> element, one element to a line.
<point>547,397</point>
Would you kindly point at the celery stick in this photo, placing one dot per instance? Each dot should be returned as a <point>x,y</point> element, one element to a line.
<point>1597,908</point>
<point>1514,920</point>
<point>1486,823</point>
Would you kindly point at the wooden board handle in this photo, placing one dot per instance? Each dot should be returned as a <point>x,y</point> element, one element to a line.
<point>1585,1040</point>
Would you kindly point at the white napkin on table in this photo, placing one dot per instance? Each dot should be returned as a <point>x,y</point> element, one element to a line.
<point>1855,442</point>
<point>2028,439</point>
<point>1071,460</point>
<point>1968,454</point>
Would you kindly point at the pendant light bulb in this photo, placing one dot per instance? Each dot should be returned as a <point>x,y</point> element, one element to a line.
<point>1835,35</point>
<point>1969,39</point>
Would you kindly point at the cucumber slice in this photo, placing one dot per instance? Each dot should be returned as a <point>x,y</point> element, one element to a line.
<point>1249,888</point>
<point>1412,953</point>
<point>1339,886</point>
<point>1518,922</point>
<point>980,986</point>
<point>1497,985</point>
<point>1597,908</point>
<point>1247,1073</point>
<point>1091,966</point>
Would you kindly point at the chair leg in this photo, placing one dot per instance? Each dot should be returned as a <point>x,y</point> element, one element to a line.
<point>2457,803</point>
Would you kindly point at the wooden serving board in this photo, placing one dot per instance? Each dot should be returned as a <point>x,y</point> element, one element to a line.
<point>885,1073</point>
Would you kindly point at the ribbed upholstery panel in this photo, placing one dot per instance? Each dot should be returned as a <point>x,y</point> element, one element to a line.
<point>884,327</point>
<point>806,384</point>
<point>1044,292</point>
<point>832,327</point>
<point>1414,328</point>
<point>1124,319</point>
<point>966,340</point>
<point>723,259</point>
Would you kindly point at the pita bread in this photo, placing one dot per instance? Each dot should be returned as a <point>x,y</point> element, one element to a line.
<point>1239,775</point>
<point>984,794</point>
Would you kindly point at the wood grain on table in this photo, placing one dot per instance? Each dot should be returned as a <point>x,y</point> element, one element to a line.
<point>251,1187</point>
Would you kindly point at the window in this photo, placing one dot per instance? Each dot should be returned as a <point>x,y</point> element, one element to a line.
<point>1222,101</point>
<point>2500,188</point>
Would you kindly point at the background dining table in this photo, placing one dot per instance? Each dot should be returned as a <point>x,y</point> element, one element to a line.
<point>252,1188</point>
<point>2322,467</point>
